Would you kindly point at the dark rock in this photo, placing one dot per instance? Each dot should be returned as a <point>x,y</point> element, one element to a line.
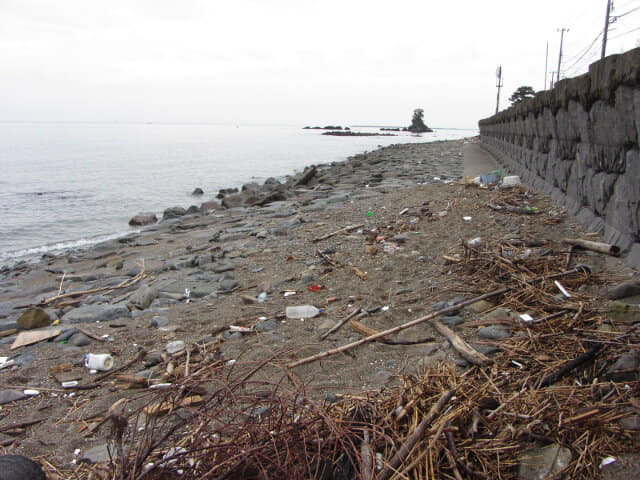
<point>451,321</point>
<point>623,290</point>
<point>142,298</point>
<point>226,191</point>
<point>153,359</point>
<point>625,369</point>
<point>493,332</point>
<point>193,210</point>
<point>99,454</point>
<point>173,212</point>
<point>222,267</point>
<point>232,335</point>
<point>209,206</point>
<point>228,284</point>
<point>197,191</point>
<point>66,334</point>
<point>79,339</point>
<point>266,326</point>
<point>144,218</point>
<point>159,321</point>
<point>17,467</point>
<point>34,317</point>
<point>7,396</point>
<point>96,313</point>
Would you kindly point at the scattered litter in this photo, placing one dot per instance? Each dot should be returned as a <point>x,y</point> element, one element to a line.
<point>467,219</point>
<point>403,211</point>
<point>385,308</point>
<point>288,293</point>
<point>562,289</point>
<point>315,288</point>
<point>302,311</point>
<point>98,361</point>
<point>474,242</point>
<point>511,181</point>
<point>236,328</point>
<point>31,392</point>
<point>607,461</point>
<point>525,317</point>
<point>262,297</point>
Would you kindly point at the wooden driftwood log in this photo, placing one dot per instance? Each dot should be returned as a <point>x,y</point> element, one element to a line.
<point>601,247</point>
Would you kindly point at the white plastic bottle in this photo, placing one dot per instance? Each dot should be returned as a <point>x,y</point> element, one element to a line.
<point>302,311</point>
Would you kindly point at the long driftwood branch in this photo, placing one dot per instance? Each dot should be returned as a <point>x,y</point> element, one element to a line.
<point>607,248</point>
<point>417,434</point>
<point>426,318</point>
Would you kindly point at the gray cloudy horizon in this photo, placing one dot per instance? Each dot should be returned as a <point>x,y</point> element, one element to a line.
<point>288,62</point>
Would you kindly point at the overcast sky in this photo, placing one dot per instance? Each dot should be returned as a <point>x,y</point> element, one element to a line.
<point>289,62</point>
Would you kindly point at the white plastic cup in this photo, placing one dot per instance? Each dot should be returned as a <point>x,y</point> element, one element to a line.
<point>98,361</point>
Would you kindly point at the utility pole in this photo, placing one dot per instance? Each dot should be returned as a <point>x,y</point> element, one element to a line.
<point>606,29</point>
<point>551,81</point>
<point>561,30</point>
<point>546,63</point>
<point>499,85</point>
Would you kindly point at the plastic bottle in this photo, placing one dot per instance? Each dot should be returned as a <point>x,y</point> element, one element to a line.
<point>98,361</point>
<point>302,311</point>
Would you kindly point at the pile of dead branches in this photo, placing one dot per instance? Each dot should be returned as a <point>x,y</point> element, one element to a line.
<point>553,383</point>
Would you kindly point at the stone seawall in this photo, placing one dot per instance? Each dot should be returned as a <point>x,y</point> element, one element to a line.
<point>579,143</point>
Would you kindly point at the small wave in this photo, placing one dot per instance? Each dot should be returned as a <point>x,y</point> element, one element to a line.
<point>32,254</point>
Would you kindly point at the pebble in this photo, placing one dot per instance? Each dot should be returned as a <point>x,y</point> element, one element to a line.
<point>159,321</point>
<point>493,332</point>
<point>266,326</point>
<point>451,321</point>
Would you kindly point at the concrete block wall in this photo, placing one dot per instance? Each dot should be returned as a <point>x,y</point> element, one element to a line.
<point>579,143</point>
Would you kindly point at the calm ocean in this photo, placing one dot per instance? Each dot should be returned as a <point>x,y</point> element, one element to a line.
<point>65,185</point>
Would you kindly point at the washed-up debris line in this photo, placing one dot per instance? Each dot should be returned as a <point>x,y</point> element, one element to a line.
<point>560,383</point>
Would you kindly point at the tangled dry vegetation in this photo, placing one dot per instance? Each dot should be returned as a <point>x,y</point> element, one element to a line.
<point>548,385</point>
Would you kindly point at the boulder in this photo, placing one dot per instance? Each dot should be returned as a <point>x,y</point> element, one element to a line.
<point>193,209</point>
<point>173,212</point>
<point>34,317</point>
<point>197,191</point>
<point>143,218</point>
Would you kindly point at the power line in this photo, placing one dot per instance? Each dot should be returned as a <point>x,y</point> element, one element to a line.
<point>626,13</point>
<point>625,33</point>
<point>584,52</point>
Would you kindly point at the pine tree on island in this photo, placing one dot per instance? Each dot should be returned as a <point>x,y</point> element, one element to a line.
<point>417,122</point>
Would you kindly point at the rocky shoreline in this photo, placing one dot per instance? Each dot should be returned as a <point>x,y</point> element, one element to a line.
<point>380,232</point>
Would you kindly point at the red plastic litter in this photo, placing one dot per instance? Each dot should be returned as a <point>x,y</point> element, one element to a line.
<point>315,288</point>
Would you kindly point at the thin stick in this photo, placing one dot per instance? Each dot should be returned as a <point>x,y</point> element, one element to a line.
<point>89,334</point>
<point>64,274</point>
<point>340,324</point>
<point>420,320</point>
<point>337,232</point>
<point>570,365</point>
<point>417,434</point>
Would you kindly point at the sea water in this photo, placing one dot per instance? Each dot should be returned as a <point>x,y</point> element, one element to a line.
<point>65,185</point>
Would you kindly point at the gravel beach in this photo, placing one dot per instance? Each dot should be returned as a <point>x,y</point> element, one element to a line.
<point>386,234</point>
